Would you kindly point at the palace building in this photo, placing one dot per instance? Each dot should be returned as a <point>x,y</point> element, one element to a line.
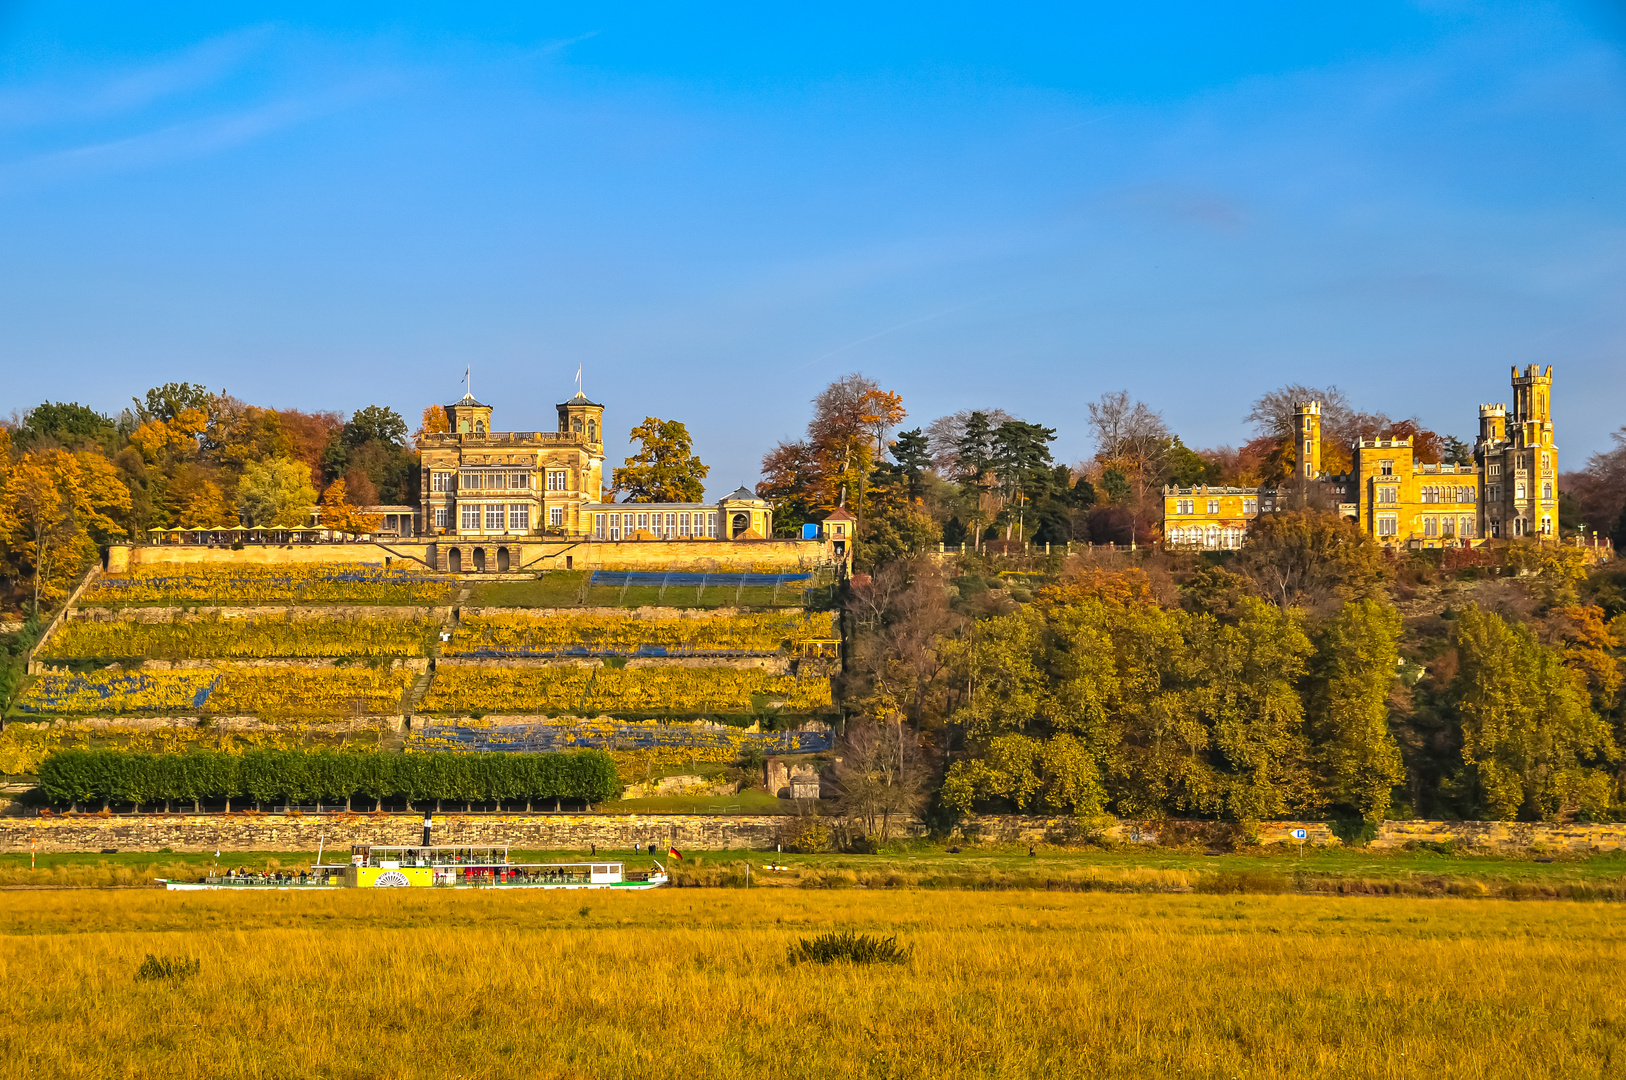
<point>1511,489</point>
<point>490,485</point>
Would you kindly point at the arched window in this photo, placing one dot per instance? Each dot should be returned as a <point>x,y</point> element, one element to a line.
<point>592,431</point>
<point>576,424</point>
<point>479,427</point>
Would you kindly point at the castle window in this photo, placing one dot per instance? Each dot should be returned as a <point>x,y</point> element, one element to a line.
<point>443,518</point>
<point>1465,528</point>
<point>469,518</point>
<point>1546,463</point>
<point>592,431</point>
<point>576,425</point>
<point>440,481</point>
<point>1388,525</point>
<point>1495,471</point>
<point>626,526</point>
<point>1431,526</point>
<point>1518,490</point>
<point>671,526</point>
<point>1448,526</point>
<point>1250,506</point>
<point>479,427</point>
<point>1547,492</point>
<point>711,525</point>
<point>1213,506</point>
<point>519,480</point>
<point>558,479</point>
<point>463,427</point>
<point>556,517</point>
<point>469,481</point>
<point>643,521</point>
<point>1387,467</point>
<point>494,517</point>
<point>519,516</point>
<point>1469,495</point>
<point>1388,494</point>
<point>683,525</point>
<point>1184,506</point>
<point>598,527</point>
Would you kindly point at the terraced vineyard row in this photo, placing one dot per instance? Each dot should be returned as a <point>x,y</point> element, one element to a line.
<point>262,638</point>
<point>521,634</point>
<point>268,692</point>
<point>317,583</point>
<point>572,689</point>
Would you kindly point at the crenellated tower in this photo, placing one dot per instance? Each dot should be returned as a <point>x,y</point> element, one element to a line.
<point>1307,438</point>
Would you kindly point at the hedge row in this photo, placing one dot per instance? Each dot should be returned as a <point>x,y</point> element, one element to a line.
<point>86,777</point>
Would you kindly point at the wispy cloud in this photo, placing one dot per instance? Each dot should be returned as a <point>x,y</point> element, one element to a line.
<point>185,139</point>
<point>200,66</point>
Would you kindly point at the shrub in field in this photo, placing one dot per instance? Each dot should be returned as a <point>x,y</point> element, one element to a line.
<point>172,968</point>
<point>851,947</point>
<point>265,638</point>
<point>1241,881</point>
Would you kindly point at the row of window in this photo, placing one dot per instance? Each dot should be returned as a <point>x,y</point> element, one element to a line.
<point>1436,494</point>
<point>1188,506</point>
<point>557,480</point>
<point>1465,527</point>
<point>1213,537</point>
<point>668,526</point>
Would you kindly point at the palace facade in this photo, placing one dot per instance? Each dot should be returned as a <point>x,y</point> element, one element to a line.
<point>489,485</point>
<point>1510,490</point>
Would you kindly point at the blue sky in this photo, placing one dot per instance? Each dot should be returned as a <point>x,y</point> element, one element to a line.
<point>716,211</point>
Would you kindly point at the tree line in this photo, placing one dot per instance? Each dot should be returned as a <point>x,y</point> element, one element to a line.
<point>1281,681</point>
<point>983,476</point>
<point>82,778</point>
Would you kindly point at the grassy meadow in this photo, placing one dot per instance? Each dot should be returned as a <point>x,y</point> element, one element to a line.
<point>695,983</point>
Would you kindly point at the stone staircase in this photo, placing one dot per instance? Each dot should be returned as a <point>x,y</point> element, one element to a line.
<point>420,685</point>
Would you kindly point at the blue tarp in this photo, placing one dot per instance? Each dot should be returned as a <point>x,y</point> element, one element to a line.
<point>624,577</point>
<point>542,738</point>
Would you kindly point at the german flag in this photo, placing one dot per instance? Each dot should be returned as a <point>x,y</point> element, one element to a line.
<point>674,852</point>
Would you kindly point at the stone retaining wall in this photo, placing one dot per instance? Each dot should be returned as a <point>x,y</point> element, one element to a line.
<point>698,832</point>
<point>292,832</point>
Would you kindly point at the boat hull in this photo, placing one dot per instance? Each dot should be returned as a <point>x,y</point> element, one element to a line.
<point>203,886</point>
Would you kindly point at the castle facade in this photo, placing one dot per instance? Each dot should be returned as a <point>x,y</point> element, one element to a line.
<point>488,485</point>
<point>1511,489</point>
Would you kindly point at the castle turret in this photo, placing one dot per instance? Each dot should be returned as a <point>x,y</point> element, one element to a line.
<point>1492,424</point>
<point>1307,437</point>
<point>582,419</point>
<point>468,416</point>
<point>1533,406</point>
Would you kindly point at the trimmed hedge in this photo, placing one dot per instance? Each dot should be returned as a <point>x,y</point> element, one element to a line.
<point>75,777</point>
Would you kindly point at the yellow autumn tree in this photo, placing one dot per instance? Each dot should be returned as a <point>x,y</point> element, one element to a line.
<point>340,516</point>
<point>57,508</point>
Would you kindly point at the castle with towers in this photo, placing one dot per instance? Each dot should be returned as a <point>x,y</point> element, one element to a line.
<point>1510,490</point>
<point>501,487</point>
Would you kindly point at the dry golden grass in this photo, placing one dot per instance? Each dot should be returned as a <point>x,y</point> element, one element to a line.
<point>694,983</point>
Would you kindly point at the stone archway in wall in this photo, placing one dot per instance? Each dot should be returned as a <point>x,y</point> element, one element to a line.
<point>454,561</point>
<point>502,560</point>
<point>738,524</point>
<point>479,560</point>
